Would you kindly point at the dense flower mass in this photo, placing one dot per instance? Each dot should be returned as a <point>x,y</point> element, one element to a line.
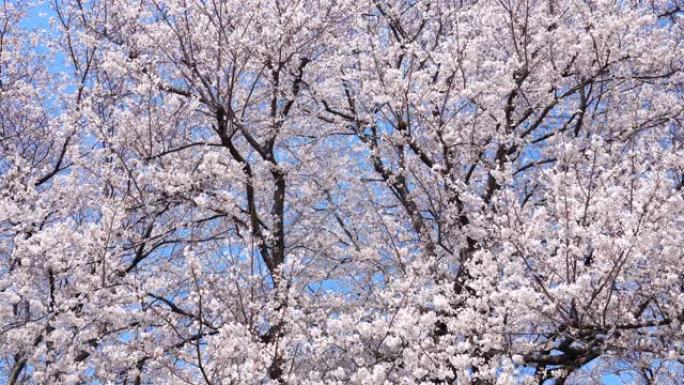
<point>342,192</point>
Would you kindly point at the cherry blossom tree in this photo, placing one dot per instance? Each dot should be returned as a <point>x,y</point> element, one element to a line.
<point>342,192</point>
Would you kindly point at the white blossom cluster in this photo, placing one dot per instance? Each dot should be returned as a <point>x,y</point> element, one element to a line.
<point>365,192</point>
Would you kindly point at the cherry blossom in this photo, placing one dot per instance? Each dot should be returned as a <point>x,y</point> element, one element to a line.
<point>342,192</point>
